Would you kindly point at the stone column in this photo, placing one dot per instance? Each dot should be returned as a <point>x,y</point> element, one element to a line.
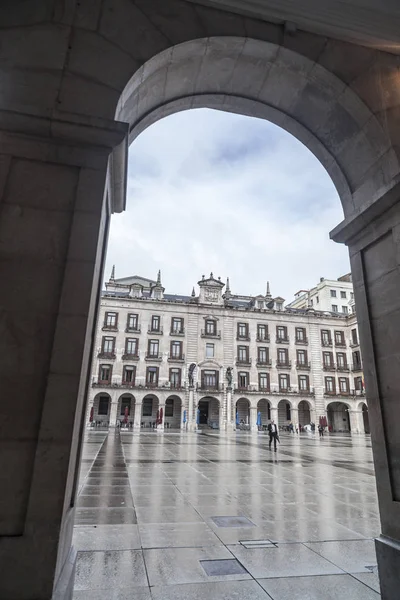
<point>191,420</point>
<point>373,237</point>
<point>54,219</point>
<point>138,415</point>
<point>253,419</point>
<point>182,424</point>
<point>230,425</point>
<point>274,414</point>
<point>113,412</point>
<point>160,427</point>
<point>356,421</point>
<point>294,413</point>
<point>221,415</point>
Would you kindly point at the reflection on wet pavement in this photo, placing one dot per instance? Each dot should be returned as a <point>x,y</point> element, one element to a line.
<point>195,516</point>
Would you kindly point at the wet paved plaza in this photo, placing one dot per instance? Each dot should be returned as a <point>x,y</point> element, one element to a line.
<point>200,516</point>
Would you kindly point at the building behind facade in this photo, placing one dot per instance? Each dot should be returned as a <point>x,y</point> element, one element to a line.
<point>329,295</point>
<point>223,360</point>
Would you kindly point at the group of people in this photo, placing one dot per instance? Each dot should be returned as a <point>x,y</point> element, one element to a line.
<point>274,431</point>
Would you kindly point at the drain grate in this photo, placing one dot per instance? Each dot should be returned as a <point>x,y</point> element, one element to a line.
<point>236,521</point>
<point>225,566</point>
<point>250,544</point>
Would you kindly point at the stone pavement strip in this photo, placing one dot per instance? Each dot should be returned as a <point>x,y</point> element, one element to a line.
<point>196,516</point>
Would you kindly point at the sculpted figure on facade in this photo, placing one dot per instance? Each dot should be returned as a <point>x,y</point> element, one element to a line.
<point>191,370</point>
<point>229,376</point>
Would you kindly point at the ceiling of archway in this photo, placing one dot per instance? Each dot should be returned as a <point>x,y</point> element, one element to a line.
<point>371,22</point>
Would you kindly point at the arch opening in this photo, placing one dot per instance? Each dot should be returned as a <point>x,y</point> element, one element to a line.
<point>208,413</point>
<point>284,413</point>
<point>338,417</point>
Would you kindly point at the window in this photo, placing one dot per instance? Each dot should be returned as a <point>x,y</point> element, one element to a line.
<point>330,385</point>
<point>284,383</point>
<point>333,293</point>
<point>262,332</point>
<point>260,304</point>
<point>209,379</point>
<point>326,337</point>
<point>358,384</point>
<point>176,350</point>
<point>262,355</point>
<point>176,325</point>
<point>304,384</point>
<point>243,354</point>
<point>334,308</point>
<point>311,302</point>
<point>283,357</point>
<point>243,330</point>
<point>175,378</point>
<point>343,295</point>
<point>209,350</point>
<point>344,385</point>
<point>108,345</point>
<point>169,407</point>
<point>125,403</point>
<point>357,360</point>
<point>132,322</point>
<point>105,373</point>
<point>155,323</point>
<point>243,380</point>
<point>153,348</point>
<point>354,337</point>
<point>281,332</point>
<point>104,402</point>
<point>211,327</point>
<point>327,358</point>
<point>317,299</point>
<point>131,346</point>
<point>263,381</point>
<point>345,310</point>
<point>300,334</point>
<point>351,295</point>
<point>339,338</point>
<point>111,319</point>
<point>301,357</point>
<point>341,360</point>
<point>147,407</point>
<point>152,375</point>
<point>279,306</point>
<point>128,375</point>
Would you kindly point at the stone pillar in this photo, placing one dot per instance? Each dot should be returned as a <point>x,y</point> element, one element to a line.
<point>373,237</point>
<point>274,414</point>
<point>54,219</point>
<point>191,420</point>
<point>294,413</point>
<point>113,412</point>
<point>160,427</point>
<point>138,415</point>
<point>253,419</point>
<point>356,421</point>
<point>221,415</point>
<point>230,425</point>
<point>182,424</point>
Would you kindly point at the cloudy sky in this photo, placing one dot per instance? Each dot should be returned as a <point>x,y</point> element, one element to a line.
<point>213,191</point>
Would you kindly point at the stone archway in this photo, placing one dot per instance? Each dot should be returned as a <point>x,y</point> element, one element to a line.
<point>208,412</point>
<point>150,406</point>
<point>304,409</point>
<point>338,417</point>
<point>101,409</point>
<point>126,401</point>
<point>264,408</point>
<point>284,413</point>
<point>242,413</point>
<point>173,407</point>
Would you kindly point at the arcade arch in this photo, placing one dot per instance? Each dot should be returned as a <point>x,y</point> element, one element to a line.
<point>150,405</point>
<point>126,401</point>
<point>101,409</point>
<point>264,408</point>
<point>365,416</point>
<point>338,417</point>
<point>173,410</point>
<point>242,414</point>
<point>284,413</point>
<point>304,408</point>
<point>208,414</point>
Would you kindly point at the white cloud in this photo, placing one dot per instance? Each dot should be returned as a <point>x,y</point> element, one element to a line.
<point>212,191</point>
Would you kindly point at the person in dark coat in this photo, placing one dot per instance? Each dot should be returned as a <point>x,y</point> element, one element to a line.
<point>273,434</point>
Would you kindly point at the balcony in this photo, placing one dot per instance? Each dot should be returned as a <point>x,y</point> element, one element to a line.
<point>327,343</point>
<point>264,363</point>
<point>96,382</point>
<point>109,327</point>
<point>243,362</point>
<point>343,368</point>
<point>128,384</point>
<point>287,364</point>
<point>306,392</point>
<point>209,387</point>
<point>330,392</point>
<point>215,335</point>
<point>354,344</point>
<point>177,359</point>
<point>153,357</point>
<point>159,331</point>
<point>282,340</point>
<point>180,332</point>
<point>340,344</point>
<point>176,386</point>
<point>329,367</point>
<point>357,367</point>
<point>303,366</point>
<point>106,355</point>
<point>301,342</point>
<point>136,329</point>
<point>264,338</point>
<point>130,356</point>
<point>243,338</point>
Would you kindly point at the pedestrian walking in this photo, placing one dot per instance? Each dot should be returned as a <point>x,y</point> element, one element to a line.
<point>320,430</point>
<point>273,434</point>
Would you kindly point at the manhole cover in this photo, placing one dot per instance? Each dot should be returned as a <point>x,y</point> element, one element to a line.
<point>232,522</point>
<point>229,566</point>
<point>249,544</point>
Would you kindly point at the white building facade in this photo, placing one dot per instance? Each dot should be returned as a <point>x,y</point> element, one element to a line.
<point>219,360</point>
<point>329,295</point>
